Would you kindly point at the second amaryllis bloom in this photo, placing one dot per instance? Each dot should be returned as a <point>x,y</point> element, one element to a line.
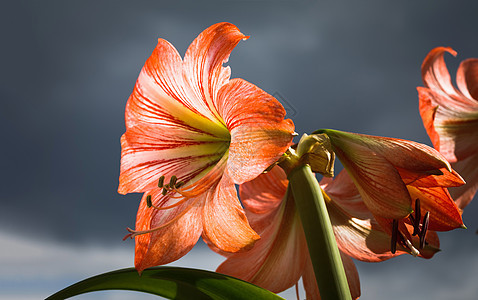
<point>450,116</point>
<point>281,257</point>
<point>397,179</point>
<point>191,134</point>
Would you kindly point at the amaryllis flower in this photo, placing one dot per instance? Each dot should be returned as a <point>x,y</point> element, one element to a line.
<point>397,177</point>
<point>281,257</point>
<point>450,116</point>
<point>191,134</point>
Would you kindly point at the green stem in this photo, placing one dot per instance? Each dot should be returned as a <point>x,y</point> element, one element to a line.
<point>325,256</point>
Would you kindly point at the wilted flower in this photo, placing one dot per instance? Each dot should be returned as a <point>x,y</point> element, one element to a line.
<point>450,116</point>
<point>191,134</point>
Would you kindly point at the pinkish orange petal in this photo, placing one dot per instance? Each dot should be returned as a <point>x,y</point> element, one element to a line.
<point>171,242</point>
<point>453,127</point>
<point>435,178</point>
<point>259,133</point>
<point>277,260</point>
<point>362,239</point>
<point>203,64</point>
<point>163,97</point>
<point>469,169</point>
<point>265,192</point>
<point>343,192</point>
<point>378,182</point>
<point>144,162</point>
<point>428,108</point>
<point>444,214</point>
<point>225,223</point>
<point>406,154</point>
<point>467,80</point>
<point>435,73</point>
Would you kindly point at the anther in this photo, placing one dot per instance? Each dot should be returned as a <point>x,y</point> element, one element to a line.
<point>164,192</point>
<point>423,232</point>
<point>172,181</point>
<point>149,203</point>
<point>416,225</point>
<point>393,246</point>
<point>179,184</point>
<point>161,181</point>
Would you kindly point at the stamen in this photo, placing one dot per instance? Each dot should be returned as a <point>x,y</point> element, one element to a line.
<point>423,233</point>
<point>172,181</point>
<point>393,246</point>
<point>161,181</point>
<point>414,250</point>
<point>179,184</point>
<point>412,220</point>
<point>416,225</point>
<point>172,205</point>
<point>148,201</point>
<point>133,233</point>
<point>164,192</point>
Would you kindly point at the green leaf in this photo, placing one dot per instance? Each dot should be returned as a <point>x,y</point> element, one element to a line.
<point>171,283</point>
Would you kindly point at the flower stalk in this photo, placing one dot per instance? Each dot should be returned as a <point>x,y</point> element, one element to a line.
<point>325,256</point>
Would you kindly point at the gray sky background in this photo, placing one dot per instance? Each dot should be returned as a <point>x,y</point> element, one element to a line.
<point>68,67</point>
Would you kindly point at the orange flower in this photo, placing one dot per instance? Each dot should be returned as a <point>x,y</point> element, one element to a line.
<point>281,257</point>
<point>191,134</point>
<point>393,176</point>
<point>450,116</point>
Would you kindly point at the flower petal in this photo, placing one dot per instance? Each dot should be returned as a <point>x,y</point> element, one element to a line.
<point>144,161</point>
<point>277,260</point>
<point>357,233</point>
<point>435,73</point>
<point>259,133</point>
<point>378,182</point>
<point>163,97</point>
<point>444,213</point>
<point>174,240</point>
<point>428,108</point>
<point>452,128</point>
<point>262,197</point>
<point>362,239</point>
<point>435,178</point>
<point>343,192</point>
<point>225,224</point>
<point>468,168</point>
<point>467,80</point>
<point>203,64</point>
<point>265,192</point>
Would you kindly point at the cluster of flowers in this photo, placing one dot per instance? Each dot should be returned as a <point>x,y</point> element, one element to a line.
<point>192,134</point>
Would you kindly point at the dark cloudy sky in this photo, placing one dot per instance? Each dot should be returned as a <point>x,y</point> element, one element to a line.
<point>68,67</point>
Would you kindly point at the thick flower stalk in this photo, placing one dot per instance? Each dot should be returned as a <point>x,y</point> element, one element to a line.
<point>191,134</point>
<point>450,116</point>
<point>402,183</point>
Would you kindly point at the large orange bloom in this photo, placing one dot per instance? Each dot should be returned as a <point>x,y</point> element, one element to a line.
<point>450,116</point>
<point>191,134</point>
